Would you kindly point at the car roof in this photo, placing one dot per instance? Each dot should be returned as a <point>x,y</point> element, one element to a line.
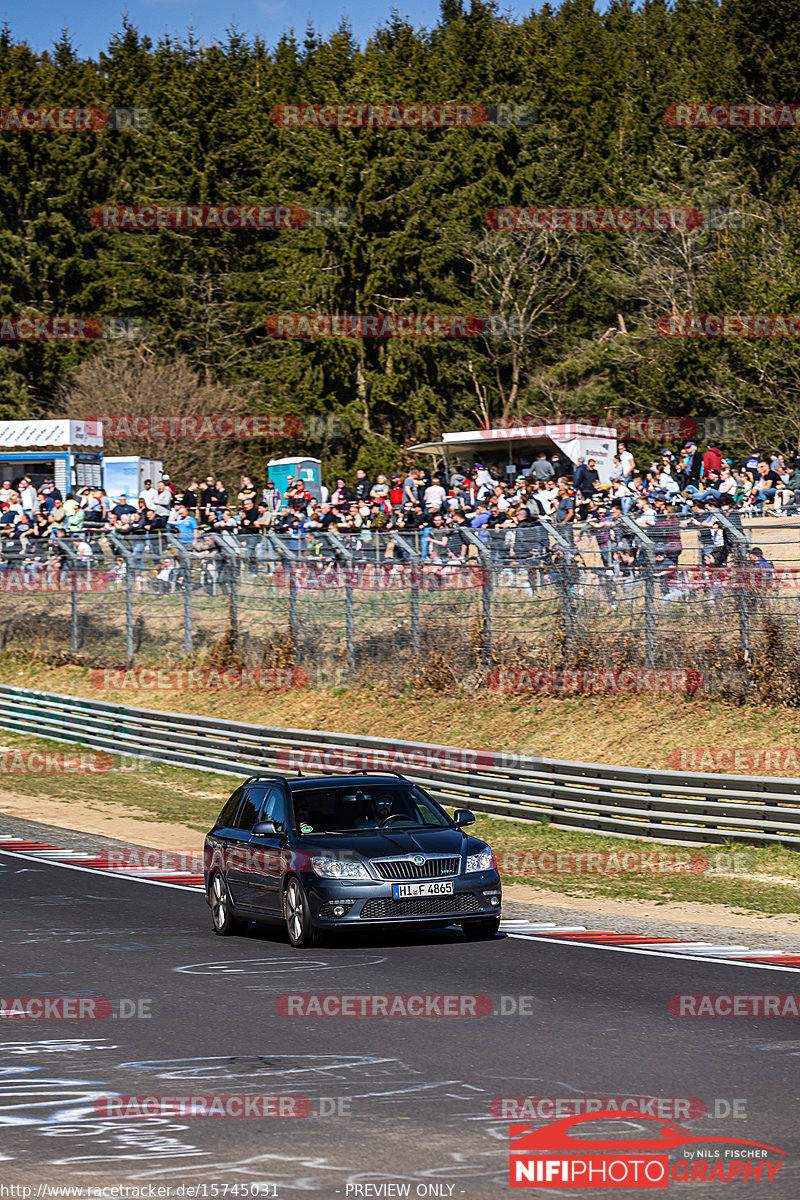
<point>326,781</point>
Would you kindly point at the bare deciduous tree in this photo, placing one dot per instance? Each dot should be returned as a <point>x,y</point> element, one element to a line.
<point>126,380</point>
<point>521,279</point>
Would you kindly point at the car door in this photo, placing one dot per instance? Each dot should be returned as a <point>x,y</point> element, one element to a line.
<point>217,840</point>
<point>265,855</point>
<point>237,848</point>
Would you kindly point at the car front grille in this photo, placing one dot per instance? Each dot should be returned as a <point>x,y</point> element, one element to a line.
<point>404,868</point>
<point>423,906</point>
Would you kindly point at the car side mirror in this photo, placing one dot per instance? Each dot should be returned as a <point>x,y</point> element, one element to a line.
<point>264,829</point>
<point>463,816</point>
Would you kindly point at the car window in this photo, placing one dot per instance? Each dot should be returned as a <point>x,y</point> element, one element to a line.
<point>225,818</point>
<point>350,807</point>
<point>246,817</point>
<point>272,807</point>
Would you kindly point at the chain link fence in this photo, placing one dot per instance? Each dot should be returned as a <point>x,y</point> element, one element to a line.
<point>452,607</point>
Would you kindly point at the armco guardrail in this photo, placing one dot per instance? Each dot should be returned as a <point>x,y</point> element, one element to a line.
<point>625,801</point>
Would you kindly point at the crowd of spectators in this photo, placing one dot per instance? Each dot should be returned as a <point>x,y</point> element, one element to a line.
<point>534,521</point>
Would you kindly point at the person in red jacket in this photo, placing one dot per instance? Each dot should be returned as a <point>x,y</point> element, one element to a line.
<point>712,459</point>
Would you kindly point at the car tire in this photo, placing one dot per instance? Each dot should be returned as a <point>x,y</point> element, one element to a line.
<point>481,930</point>
<point>298,915</point>
<point>223,919</point>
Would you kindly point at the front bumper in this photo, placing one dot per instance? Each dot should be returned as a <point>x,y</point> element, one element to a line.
<point>368,902</point>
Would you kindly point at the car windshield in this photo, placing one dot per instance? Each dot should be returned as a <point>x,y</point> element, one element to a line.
<point>350,807</point>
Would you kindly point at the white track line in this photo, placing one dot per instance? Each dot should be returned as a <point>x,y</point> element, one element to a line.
<point>730,962</point>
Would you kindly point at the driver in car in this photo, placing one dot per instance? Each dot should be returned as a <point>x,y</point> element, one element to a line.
<point>375,811</point>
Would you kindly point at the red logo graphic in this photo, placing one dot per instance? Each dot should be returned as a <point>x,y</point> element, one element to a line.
<point>613,862</point>
<point>203,1106</point>
<point>732,116</point>
<point>36,762</point>
<point>630,680</point>
<point>654,428</point>
<point>49,329</point>
<point>743,325</point>
<point>781,1004</point>
<point>538,1156</point>
<point>146,217</point>
<point>53,580</point>
<point>51,120</point>
<point>331,1004</point>
<point>376,325</point>
<point>546,1108</point>
<point>380,116</point>
<point>594,220</point>
<point>736,759</point>
<point>380,762</point>
<point>54,1008</point>
<point>160,679</point>
<point>217,426</point>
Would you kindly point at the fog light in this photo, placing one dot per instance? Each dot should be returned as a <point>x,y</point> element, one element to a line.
<point>339,910</point>
<point>494,901</point>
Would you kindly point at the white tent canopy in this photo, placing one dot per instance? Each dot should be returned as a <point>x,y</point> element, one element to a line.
<point>527,441</point>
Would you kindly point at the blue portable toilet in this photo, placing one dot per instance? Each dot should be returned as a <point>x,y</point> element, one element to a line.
<point>309,470</point>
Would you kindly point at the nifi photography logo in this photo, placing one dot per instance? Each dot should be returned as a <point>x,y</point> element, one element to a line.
<point>561,1155</point>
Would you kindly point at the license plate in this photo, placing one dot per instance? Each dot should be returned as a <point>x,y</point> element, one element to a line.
<point>402,891</point>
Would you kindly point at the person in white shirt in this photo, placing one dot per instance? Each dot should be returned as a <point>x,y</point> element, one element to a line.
<point>548,496</point>
<point>503,502</point>
<point>149,494</point>
<point>727,485</point>
<point>163,500</point>
<point>646,515</point>
<point>627,462</point>
<point>29,498</point>
<point>435,495</point>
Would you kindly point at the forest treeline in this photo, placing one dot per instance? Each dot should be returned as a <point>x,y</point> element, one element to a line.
<point>582,340</point>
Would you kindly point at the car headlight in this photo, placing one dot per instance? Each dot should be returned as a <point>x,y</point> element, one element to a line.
<point>334,868</point>
<point>480,862</point>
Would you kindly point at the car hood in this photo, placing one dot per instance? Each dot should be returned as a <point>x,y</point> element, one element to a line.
<point>389,844</point>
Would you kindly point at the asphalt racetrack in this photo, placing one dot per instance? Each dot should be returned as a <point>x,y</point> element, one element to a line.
<point>390,1101</point>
